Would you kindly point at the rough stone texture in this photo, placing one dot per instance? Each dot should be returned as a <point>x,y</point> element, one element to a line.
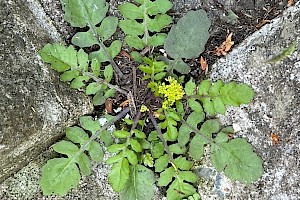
<point>275,109</point>
<point>35,106</point>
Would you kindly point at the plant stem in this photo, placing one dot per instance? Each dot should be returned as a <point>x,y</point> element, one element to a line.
<point>161,136</point>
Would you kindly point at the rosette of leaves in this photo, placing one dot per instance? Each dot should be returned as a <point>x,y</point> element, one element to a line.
<point>144,21</point>
<point>59,175</point>
<point>187,39</point>
<point>76,68</point>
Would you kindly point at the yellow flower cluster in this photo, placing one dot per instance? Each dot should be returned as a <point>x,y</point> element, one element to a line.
<point>144,108</point>
<point>171,92</point>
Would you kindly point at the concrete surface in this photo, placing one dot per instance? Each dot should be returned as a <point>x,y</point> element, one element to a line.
<point>34,105</point>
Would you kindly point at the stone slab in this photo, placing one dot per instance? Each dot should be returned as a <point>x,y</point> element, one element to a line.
<point>35,106</point>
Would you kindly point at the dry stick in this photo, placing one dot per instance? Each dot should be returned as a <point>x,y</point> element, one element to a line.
<point>161,137</point>
<point>102,46</point>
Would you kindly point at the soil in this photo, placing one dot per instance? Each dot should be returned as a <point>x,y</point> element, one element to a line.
<point>241,18</point>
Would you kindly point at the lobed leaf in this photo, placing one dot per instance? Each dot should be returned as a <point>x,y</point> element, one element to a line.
<point>161,163</point>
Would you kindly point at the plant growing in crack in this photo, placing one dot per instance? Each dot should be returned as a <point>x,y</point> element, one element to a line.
<point>165,138</point>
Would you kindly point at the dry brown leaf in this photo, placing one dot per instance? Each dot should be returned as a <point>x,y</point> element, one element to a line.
<point>124,53</point>
<point>224,47</point>
<point>124,103</point>
<point>262,22</point>
<point>108,105</point>
<point>203,63</point>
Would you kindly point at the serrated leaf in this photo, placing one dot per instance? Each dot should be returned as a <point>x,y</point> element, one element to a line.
<point>84,164</point>
<point>135,145</point>
<point>166,177</point>
<point>107,28</point>
<point>196,148</point>
<point>60,57</point>
<point>119,175</point>
<point>96,152</point>
<point>76,135</point>
<point>88,123</point>
<point>188,176</point>
<point>182,163</point>
<point>121,134</point>
<point>157,149</point>
<point>190,87</point>
<point>188,37</point>
<point>108,73</point>
<point>131,11</point>
<point>65,147</point>
<point>81,13</point>
<point>131,27</point>
<point>184,131</point>
<point>59,175</point>
<point>139,185</point>
<point>237,159</point>
<point>161,163</point>
<point>131,156</point>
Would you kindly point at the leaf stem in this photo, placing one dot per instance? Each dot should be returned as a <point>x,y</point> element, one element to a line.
<point>161,136</point>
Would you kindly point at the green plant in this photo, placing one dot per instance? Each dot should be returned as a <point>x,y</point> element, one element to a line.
<point>183,124</point>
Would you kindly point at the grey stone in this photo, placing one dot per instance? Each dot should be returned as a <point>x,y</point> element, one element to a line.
<point>35,106</point>
<point>275,109</point>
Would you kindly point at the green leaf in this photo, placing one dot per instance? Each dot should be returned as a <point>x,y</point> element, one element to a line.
<point>119,175</point>
<point>208,106</point>
<point>188,37</point>
<point>108,73</point>
<point>188,176</point>
<point>114,159</point>
<point>95,66</point>
<point>79,82</point>
<point>182,163</point>
<point>113,50</point>
<point>116,148</point>
<point>131,27</point>
<point>163,5</point>
<point>69,75</point>
<point>237,159</point>
<point>77,135</point>
<point>166,177</point>
<point>180,66</point>
<point>157,149</point>
<point>190,87</point>
<point>184,131</point>
<point>196,149</point>
<point>135,145</point>
<point>84,164</point>
<point>157,39</point>
<point>99,98</point>
<point>147,160</point>
<point>204,87</point>
<point>196,106</point>
<point>88,123</point>
<point>59,175</point>
<point>93,88</point>
<point>209,127</point>
<point>159,22</point>
<point>177,149</point>
<point>131,11</point>
<point>139,134</point>
<point>121,134</point>
<point>81,13</point>
<point>60,57</point>
<point>96,152</point>
<point>145,144</point>
<point>131,156</point>
<point>153,136</point>
<point>106,138</point>
<point>218,105</point>
<point>134,42</point>
<point>84,39</point>
<point>161,163</point>
<point>107,28</point>
<point>179,189</point>
<point>65,147</point>
<point>139,185</point>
